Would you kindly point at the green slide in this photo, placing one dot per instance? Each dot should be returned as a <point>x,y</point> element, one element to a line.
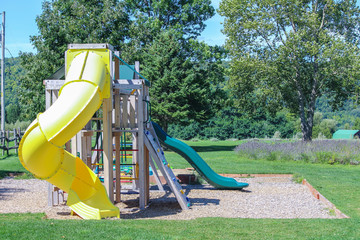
<point>197,162</point>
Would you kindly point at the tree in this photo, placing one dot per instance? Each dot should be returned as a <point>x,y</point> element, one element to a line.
<point>185,74</point>
<point>182,77</point>
<point>356,125</point>
<point>130,26</point>
<point>13,72</point>
<point>150,18</point>
<point>12,113</point>
<point>289,53</point>
<point>62,23</point>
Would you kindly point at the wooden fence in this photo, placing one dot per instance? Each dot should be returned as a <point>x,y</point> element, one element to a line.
<point>6,139</point>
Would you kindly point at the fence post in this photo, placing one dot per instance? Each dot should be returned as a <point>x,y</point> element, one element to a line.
<point>2,141</point>
<point>7,141</point>
<point>15,141</point>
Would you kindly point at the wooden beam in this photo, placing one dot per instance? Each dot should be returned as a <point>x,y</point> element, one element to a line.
<point>116,67</point>
<point>143,198</point>
<point>125,113</point>
<point>132,122</point>
<point>53,84</point>
<point>117,145</point>
<point>108,148</point>
<point>147,174</point>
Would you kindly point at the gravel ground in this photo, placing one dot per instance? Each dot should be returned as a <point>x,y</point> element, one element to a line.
<point>266,197</point>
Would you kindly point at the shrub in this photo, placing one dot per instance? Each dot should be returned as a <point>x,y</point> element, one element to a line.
<point>277,135</point>
<point>22,125</point>
<point>298,178</point>
<point>232,139</point>
<point>317,151</point>
<point>214,139</point>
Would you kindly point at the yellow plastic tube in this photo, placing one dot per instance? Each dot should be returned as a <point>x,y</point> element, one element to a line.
<point>41,149</point>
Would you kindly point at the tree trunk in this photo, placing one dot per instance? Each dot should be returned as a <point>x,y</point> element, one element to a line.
<point>307,132</point>
<point>306,117</point>
<point>307,135</point>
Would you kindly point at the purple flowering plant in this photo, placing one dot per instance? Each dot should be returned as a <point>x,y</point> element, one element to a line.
<point>316,151</point>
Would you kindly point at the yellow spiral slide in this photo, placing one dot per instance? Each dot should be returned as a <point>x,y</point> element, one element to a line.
<point>41,149</point>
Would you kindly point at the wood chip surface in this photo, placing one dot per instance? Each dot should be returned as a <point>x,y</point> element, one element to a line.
<point>266,197</point>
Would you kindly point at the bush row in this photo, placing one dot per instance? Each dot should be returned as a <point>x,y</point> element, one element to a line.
<point>317,151</point>
<point>228,124</point>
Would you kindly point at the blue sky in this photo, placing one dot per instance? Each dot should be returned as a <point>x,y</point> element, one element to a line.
<point>20,25</point>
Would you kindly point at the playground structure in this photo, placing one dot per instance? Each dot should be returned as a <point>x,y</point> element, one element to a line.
<point>95,80</point>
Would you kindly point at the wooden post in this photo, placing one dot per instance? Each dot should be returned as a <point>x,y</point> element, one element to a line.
<point>135,157</point>
<point>144,188</point>
<point>16,140</point>
<point>50,186</point>
<point>78,146</point>
<point>125,113</point>
<point>117,167</point>
<point>7,142</point>
<point>132,122</point>
<point>117,147</point>
<point>73,146</point>
<point>54,195</point>
<point>2,142</point>
<point>86,144</point>
<point>116,66</point>
<point>147,174</point>
<point>68,146</point>
<point>108,147</point>
<point>117,135</point>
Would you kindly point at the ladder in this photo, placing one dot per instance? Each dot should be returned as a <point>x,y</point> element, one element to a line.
<point>153,145</point>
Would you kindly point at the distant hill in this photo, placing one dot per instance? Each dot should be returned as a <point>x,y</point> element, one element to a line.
<point>13,72</point>
<point>345,116</point>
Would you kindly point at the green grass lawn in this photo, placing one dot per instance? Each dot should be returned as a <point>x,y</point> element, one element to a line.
<point>10,164</point>
<point>339,183</point>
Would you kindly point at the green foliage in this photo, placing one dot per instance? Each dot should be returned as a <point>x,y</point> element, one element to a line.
<point>290,53</point>
<point>184,73</point>
<point>10,164</point>
<point>356,125</point>
<point>323,127</point>
<point>298,178</point>
<point>185,16</point>
<point>12,112</point>
<point>159,34</point>
<point>62,23</point>
<point>13,73</point>
<point>345,117</point>
<point>16,125</point>
<point>151,18</point>
<point>181,81</point>
<point>230,123</point>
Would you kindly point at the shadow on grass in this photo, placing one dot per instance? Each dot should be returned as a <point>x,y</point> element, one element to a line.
<point>214,148</point>
<point>4,174</point>
<point>18,175</point>
<point>5,155</point>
